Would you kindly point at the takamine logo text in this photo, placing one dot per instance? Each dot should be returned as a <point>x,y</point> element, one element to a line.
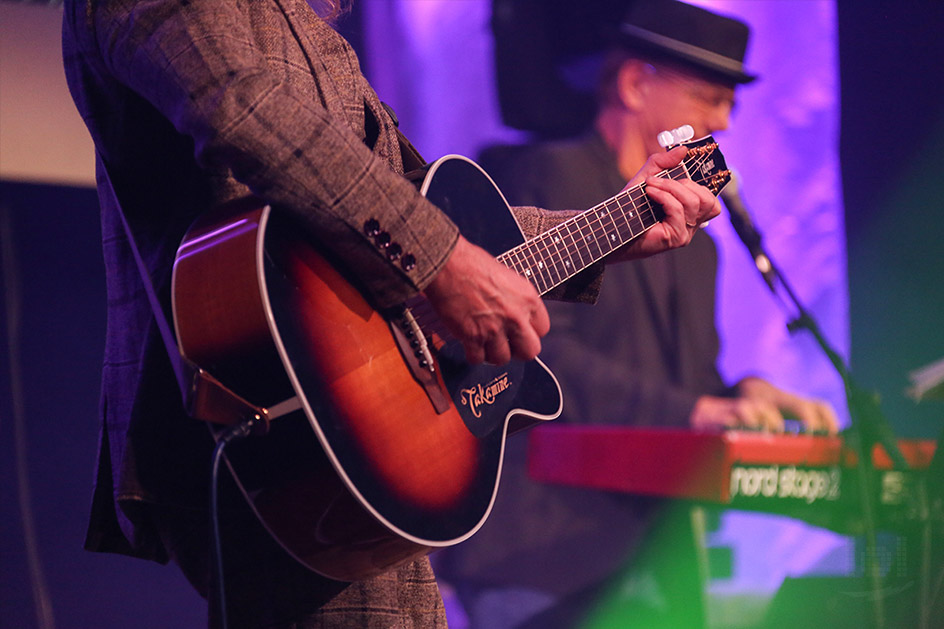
<point>707,168</point>
<point>478,395</point>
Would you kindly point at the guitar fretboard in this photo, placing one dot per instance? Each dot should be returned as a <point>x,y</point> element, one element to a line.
<point>558,254</point>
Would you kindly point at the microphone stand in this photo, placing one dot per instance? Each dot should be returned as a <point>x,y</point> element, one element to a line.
<point>869,426</point>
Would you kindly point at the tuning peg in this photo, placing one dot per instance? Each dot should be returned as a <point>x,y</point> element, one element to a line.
<point>683,133</point>
<point>675,136</point>
<point>666,139</point>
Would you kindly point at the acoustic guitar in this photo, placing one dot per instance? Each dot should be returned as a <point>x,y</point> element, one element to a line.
<point>393,443</point>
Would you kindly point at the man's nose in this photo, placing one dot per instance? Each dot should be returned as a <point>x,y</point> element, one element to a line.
<point>719,118</point>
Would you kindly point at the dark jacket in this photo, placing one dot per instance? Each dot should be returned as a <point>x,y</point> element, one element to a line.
<point>640,356</point>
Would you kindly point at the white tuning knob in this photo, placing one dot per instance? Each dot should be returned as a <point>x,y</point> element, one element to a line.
<point>675,136</point>
<point>683,133</point>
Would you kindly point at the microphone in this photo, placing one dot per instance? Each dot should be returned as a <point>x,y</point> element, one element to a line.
<point>744,226</point>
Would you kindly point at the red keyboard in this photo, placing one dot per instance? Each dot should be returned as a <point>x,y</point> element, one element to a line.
<point>750,470</point>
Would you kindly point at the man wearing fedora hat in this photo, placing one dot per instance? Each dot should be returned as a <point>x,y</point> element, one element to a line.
<point>645,355</point>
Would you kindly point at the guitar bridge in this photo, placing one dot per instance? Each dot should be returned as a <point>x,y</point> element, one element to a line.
<point>414,347</point>
<point>418,340</point>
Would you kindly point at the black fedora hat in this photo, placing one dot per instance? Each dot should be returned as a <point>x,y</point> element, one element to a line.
<point>710,43</point>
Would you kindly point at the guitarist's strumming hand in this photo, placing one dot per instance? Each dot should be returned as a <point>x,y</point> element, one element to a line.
<point>686,204</point>
<point>495,313</point>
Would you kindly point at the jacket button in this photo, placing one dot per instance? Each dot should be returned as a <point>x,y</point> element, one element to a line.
<point>408,262</point>
<point>372,227</point>
<point>394,251</point>
<point>382,239</point>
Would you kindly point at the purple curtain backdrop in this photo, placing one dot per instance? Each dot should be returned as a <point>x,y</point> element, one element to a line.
<point>431,60</point>
<point>784,143</point>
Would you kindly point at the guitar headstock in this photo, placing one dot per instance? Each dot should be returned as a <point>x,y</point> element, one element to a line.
<point>704,163</point>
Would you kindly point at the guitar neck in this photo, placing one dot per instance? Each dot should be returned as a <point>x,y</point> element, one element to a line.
<point>558,254</point>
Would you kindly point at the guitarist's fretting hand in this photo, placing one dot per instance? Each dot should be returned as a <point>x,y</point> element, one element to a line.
<point>497,315</point>
<point>686,206</point>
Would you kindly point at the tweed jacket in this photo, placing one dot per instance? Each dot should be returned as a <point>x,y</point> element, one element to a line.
<point>192,103</point>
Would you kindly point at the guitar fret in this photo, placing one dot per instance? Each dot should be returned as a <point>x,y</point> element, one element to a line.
<point>535,271</point>
<point>648,216</point>
<point>540,264</point>
<point>517,264</point>
<point>565,258</point>
<point>550,269</point>
<point>621,219</point>
<point>570,258</point>
<point>600,231</point>
<point>645,212</point>
<point>609,228</point>
<point>630,213</point>
<point>679,172</point>
<point>588,240</point>
<point>547,269</point>
<point>574,246</point>
<point>614,238</point>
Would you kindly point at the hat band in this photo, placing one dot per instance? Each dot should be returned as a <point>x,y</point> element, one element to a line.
<point>683,48</point>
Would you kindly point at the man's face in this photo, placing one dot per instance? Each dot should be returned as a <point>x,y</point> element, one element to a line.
<point>674,97</point>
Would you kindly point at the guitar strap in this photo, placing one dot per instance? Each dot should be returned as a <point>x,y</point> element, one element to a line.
<point>412,160</point>
<point>204,397</point>
<point>180,364</point>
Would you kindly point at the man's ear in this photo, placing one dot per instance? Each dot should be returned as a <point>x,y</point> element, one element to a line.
<point>632,84</point>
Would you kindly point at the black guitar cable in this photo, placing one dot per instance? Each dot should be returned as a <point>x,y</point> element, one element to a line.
<point>218,595</point>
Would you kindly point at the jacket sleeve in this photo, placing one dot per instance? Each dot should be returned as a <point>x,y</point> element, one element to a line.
<point>201,65</point>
